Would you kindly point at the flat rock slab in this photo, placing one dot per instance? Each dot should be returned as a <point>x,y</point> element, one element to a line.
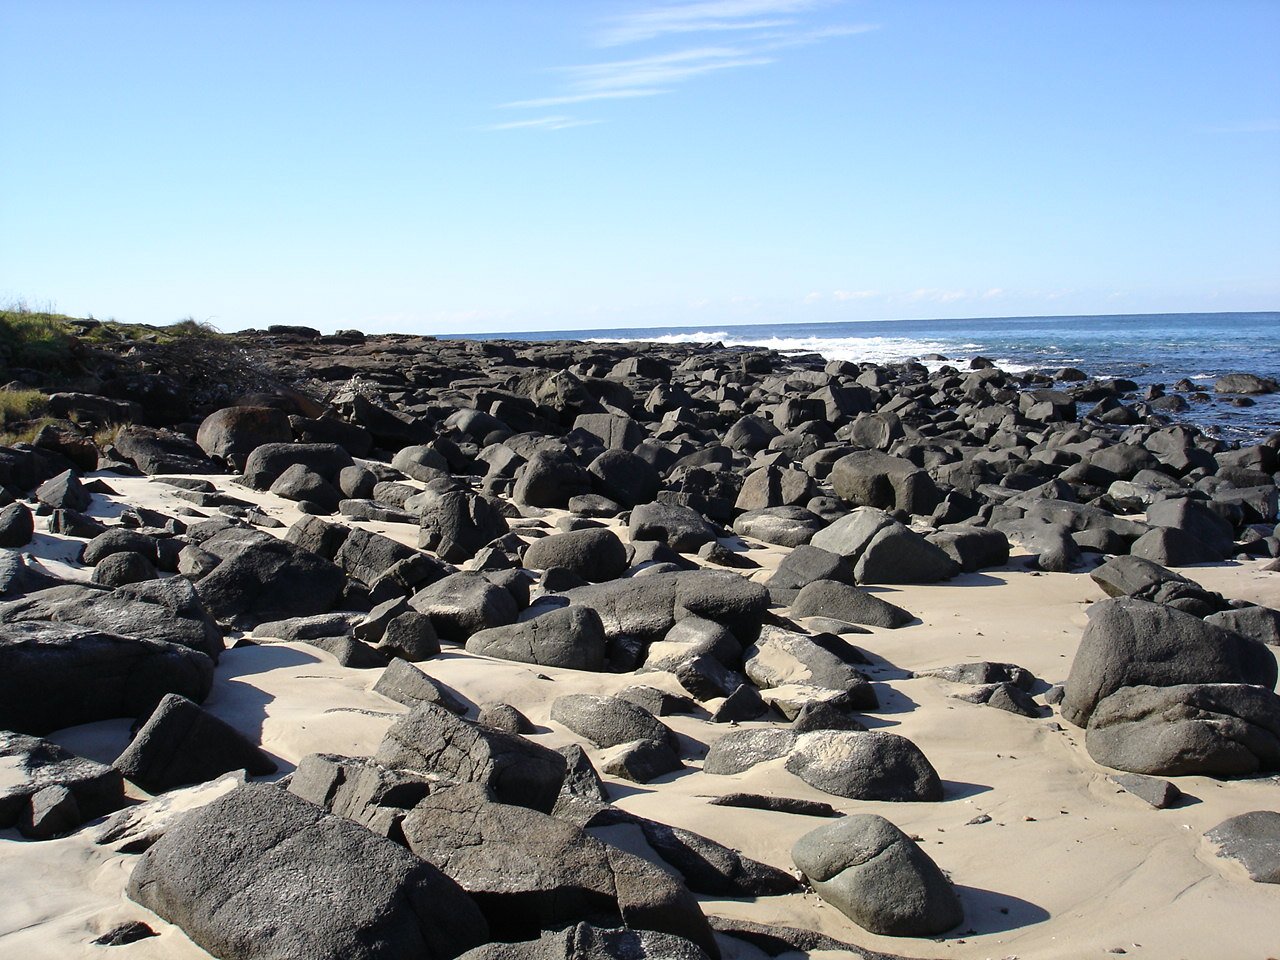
<point>29,765</point>
<point>1253,840</point>
<point>260,873</point>
<point>55,675</point>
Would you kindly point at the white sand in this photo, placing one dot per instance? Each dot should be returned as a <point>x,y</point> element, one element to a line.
<point>1068,867</point>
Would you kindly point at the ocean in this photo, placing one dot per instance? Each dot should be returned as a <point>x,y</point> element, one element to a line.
<point>1148,349</point>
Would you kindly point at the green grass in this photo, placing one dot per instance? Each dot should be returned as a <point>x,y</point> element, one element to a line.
<point>38,340</point>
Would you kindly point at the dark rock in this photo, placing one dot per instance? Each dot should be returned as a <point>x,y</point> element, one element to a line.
<point>463,604</point>
<point>828,598</point>
<point>56,675</point>
<point>782,526</point>
<point>456,525</point>
<point>233,433</point>
<point>805,564</point>
<point>181,744</point>
<point>864,766</point>
<point>506,718</point>
<point>586,942</point>
<point>625,477</point>
<point>64,492</point>
<point>869,478</point>
<point>1210,729</point>
<point>529,871</point>
<point>571,637</point>
<point>756,801</point>
<point>608,721</point>
<point>260,859</point>
<point>821,715</point>
<point>885,551</point>
<point>973,548</point>
<point>131,931</point>
<point>641,761</point>
<point>33,765</point>
<point>50,811</point>
<point>421,462</point>
<point>782,657</point>
<point>1256,623</point>
<point>513,769</point>
<point>682,529</point>
<point>1002,696</point>
<point>594,555</point>
<point>744,703</point>
<point>983,672</point>
<point>550,480</point>
<point>270,579</point>
<point>17,526</point>
<point>267,462</point>
<point>694,637</point>
<point>1252,840</point>
<point>1131,642</point>
<point>300,483</point>
<point>410,636</point>
<point>121,569</point>
<point>118,540</point>
<point>1161,794</point>
<point>581,779</point>
<point>1248,383</point>
<point>406,684</point>
<point>162,451</point>
<point>741,750</point>
<point>878,877</point>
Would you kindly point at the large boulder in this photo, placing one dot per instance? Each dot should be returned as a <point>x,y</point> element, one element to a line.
<point>625,477</point>
<point>55,675</point>
<point>463,604</point>
<point>270,579</point>
<point>882,550</point>
<point>456,524</point>
<point>1207,729</point>
<point>571,637</point>
<point>870,765</point>
<point>840,601</point>
<point>233,433</point>
<point>878,877</point>
<point>780,657</point>
<point>260,873</point>
<point>595,555</point>
<point>608,721</point>
<point>682,529</point>
<point>550,480</point>
<point>781,526</point>
<point>166,610</point>
<point>1131,642</point>
<point>514,770</point>
<point>805,564</point>
<point>267,462</point>
<point>869,478</point>
<point>647,607</point>
<point>774,487</point>
<point>157,452</point>
<point>531,872</point>
<point>181,743</point>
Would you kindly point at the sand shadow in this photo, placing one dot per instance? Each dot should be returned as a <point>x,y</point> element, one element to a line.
<point>962,790</point>
<point>987,911</point>
<point>891,701</point>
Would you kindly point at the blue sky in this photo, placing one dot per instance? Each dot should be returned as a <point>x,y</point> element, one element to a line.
<point>456,166</point>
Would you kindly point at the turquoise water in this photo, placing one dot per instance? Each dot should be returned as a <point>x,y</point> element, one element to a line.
<point>1149,348</point>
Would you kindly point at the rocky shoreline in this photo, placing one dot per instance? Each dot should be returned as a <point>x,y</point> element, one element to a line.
<point>580,650</point>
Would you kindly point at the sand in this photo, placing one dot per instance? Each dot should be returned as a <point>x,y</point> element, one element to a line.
<point>1068,866</point>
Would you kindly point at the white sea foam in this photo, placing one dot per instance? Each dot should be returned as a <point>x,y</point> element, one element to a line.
<point>855,349</point>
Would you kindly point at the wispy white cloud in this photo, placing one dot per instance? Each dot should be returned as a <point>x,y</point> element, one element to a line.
<point>664,68</point>
<point>813,297</point>
<point>542,123</point>
<point>843,295</point>
<point>760,29</point>
<point>706,16</point>
<point>585,97</point>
